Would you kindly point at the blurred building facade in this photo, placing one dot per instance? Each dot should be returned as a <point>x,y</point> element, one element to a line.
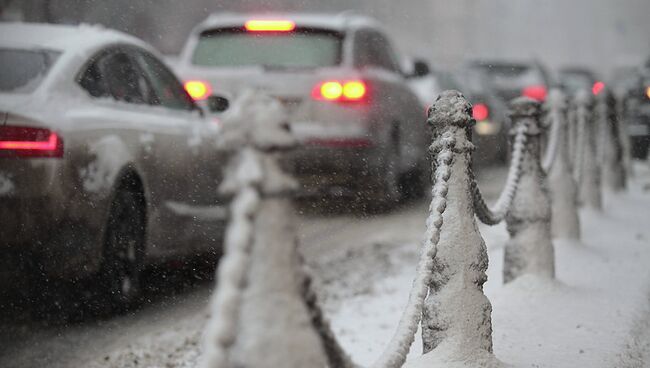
<point>597,33</point>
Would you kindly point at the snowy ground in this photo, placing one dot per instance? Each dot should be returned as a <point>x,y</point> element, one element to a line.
<point>595,315</point>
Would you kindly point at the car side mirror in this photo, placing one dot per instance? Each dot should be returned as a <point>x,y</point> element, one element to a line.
<point>218,103</point>
<point>420,69</point>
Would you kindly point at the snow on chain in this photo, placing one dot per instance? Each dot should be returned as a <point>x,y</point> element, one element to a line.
<point>395,353</point>
<point>553,144</point>
<point>231,279</point>
<point>492,216</point>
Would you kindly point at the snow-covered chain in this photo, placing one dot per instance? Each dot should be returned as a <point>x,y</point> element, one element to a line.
<point>493,216</point>
<point>395,353</point>
<point>556,134</point>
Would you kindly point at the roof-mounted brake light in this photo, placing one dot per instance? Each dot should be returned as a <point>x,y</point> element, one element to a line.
<point>268,25</point>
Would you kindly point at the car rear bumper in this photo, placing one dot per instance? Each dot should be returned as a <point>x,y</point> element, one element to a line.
<point>333,167</point>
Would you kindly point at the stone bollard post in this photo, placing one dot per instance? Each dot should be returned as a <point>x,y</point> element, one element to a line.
<point>529,249</point>
<point>621,96</point>
<point>564,202</point>
<point>456,320</point>
<point>263,312</point>
<point>613,167</point>
<point>589,171</point>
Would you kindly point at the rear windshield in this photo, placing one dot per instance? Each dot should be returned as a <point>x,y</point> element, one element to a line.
<point>301,48</point>
<point>28,68</point>
<point>511,76</point>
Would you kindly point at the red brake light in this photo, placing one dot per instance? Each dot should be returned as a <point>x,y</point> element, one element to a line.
<point>267,25</point>
<point>29,142</point>
<point>536,92</point>
<point>480,112</point>
<point>597,87</point>
<point>198,90</point>
<point>342,91</point>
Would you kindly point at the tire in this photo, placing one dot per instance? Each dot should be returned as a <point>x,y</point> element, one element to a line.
<point>385,193</point>
<point>121,273</point>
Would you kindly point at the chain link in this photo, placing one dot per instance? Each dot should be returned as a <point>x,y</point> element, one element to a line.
<point>492,216</point>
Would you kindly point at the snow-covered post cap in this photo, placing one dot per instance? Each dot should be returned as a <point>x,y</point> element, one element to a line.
<point>525,110</point>
<point>257,126</point>
<point>584,98</point>
<point>258,120</point>
<point>451,110</point>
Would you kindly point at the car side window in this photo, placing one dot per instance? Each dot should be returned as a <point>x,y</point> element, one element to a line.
<point>373,49</point>
<point>169,92</point>
<point>124,79</point>
<point>93,81</point>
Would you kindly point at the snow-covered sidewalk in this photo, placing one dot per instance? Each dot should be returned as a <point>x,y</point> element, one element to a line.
<point>596,314</point>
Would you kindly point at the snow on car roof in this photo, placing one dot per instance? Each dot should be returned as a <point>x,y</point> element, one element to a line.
<point>61,37</point>
<point>337,22</point>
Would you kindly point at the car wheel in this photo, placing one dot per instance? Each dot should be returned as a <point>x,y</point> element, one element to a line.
<point>123,253</point>
<point>386,192</point>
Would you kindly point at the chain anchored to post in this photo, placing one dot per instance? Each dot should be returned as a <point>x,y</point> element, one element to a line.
<point>529,249</point>
<point>456,320</point>
<point>264,313</point>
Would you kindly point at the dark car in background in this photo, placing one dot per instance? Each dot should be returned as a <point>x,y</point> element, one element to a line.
<point>575,78</point>
<point>511,79</point>
<point>638,112</point>
<point>359,122</point>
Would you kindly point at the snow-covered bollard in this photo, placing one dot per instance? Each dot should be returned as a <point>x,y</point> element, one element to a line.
<point>612,148</point>
<point>456,320</point>
<point>263,313</point>
<point>564,203</point>
<point>621,95</point>
<point>589,168</point>
<point>529,249</point>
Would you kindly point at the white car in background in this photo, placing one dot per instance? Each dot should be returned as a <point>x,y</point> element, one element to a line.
<point>361,126</point>
<point>106,164</point>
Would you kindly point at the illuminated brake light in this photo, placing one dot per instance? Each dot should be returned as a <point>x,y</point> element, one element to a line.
<point>267,25</point>
<point>331,90</point>
<point>647,91</point>
<point>29,142</point>
<point>480,112</point>
<point>536,92</point>
<point>354,90</point>
<point>597,87</point>
<point>198,90</point>
<point>342,91</point>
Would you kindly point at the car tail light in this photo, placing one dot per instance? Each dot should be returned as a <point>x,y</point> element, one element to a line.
<point>268,25</point>
<point>29,142</point>
<point>198,90</point>
<point>536,92</point>
<point>340,91</point>
<point>597,87</point>
<point>480,112</point>
<point>647,91</point>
